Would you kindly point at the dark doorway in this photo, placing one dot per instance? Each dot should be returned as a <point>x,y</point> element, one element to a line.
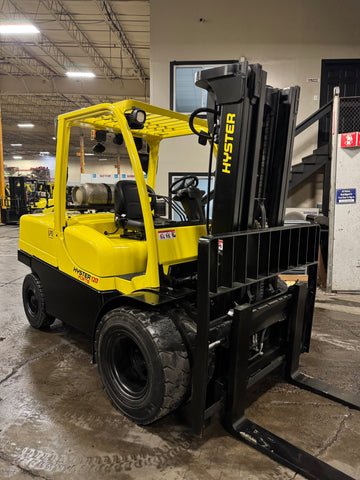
<point>337,73</point>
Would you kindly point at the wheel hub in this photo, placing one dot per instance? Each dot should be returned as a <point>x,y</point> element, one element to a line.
<point>129,366</point>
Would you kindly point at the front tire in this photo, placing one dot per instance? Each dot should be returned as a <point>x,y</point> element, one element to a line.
<point>143,363</point>
<point>34,303</point>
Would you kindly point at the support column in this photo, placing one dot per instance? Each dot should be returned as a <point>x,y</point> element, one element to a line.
<point>82,154</point>
<point>117,166</point>
<point>332,195</point>
<point>2,177</point>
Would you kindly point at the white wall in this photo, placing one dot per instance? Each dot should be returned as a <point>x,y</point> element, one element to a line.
<point>92,165</point>
<point>288,37</point>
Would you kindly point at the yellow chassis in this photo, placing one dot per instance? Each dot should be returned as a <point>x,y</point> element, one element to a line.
<point>76,244</point>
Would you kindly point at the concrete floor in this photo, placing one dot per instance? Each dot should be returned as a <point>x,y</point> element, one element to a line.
<point>56,422</point>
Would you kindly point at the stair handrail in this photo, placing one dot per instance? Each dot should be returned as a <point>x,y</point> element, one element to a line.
<point>314,117</point>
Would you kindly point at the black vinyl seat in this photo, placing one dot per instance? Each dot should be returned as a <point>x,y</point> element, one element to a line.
<point>128,212</point>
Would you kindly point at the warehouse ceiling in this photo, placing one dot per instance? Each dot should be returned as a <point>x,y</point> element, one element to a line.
<point>110,38</point>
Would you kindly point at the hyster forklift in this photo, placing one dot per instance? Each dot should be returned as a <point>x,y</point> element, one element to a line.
<point>190,311</point>
<point>15,204</point>
<point>24,196</point>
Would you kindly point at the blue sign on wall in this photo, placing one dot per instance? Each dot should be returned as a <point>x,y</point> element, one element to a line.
<point>346,195</point>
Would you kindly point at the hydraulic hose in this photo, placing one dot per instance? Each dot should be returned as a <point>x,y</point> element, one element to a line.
<point>210,137</point>
<point>194,114</point>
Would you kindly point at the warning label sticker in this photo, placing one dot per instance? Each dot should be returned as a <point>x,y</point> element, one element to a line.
<point>166,234</point>
<point>346,195</point>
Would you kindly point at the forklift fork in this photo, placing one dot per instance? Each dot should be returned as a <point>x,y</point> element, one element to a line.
<point>292,310</point>
<point>249,432</point>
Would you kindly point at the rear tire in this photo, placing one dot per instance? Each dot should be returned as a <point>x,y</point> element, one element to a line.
<point>34,303</point>
<point>143,363</point>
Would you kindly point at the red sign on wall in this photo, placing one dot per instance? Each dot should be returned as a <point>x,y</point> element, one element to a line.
<point>350,139</point>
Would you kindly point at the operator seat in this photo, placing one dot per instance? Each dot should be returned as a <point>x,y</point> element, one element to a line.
<point>128,212</point>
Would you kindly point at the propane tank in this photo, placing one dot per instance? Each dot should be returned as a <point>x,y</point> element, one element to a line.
<point>93,194</point>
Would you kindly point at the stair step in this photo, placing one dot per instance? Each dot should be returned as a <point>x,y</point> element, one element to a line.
<point>298,168</point>
<point>309,165</point>
<point>298,176</point>
<point>295,178</point>
<point>323,150</point>
<point>309,159</point>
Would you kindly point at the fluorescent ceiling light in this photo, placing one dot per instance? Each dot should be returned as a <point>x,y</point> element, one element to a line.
<point>89,154</point>
<point>54,138</point>
<point>17,28</point>
<point>102,159</point>
<point>25,125</point>
<point>16,144</point>
<point>81,74</point>
<point>17,157</point>
<point>44,153</point>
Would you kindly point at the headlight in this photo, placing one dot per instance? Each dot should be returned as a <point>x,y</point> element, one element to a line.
<point>136,118</point>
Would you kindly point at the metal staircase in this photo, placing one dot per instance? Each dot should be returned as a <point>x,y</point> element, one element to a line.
<point>319,159</point>
<point>309,165</point>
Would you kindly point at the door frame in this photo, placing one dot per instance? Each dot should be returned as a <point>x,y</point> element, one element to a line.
<point>323,83</point>
<point>324,63</point>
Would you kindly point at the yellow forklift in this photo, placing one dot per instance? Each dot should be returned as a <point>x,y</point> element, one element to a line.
<point>39,194</point>
<point>16,203</point>
<point>190,311</point>
<point>23,195</point>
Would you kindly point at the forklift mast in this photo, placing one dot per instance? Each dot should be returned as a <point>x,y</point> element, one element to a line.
<point>239,264</point>
<point>256,131</point>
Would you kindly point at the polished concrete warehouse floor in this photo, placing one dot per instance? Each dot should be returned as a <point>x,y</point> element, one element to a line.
<point>56,422</point>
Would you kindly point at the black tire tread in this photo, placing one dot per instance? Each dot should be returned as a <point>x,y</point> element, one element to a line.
<point>172,354</point>
<point>46,319</point>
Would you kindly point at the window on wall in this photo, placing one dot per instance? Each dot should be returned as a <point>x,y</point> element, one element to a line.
<point>185,96</point>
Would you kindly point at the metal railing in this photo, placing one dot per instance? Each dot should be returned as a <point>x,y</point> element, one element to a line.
<point>314,117</point>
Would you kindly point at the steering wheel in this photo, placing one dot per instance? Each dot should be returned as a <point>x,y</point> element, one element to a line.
<point>184,182</point>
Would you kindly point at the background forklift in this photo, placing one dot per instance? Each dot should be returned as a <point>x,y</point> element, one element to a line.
<point>24,195</point>
<point>15,203</point>
<point>190,311</point>
<point>39,194</point>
